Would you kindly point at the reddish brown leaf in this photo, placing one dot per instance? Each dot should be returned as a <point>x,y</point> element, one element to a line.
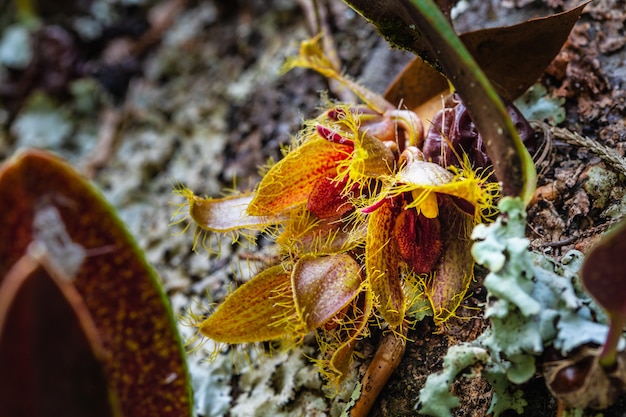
<point>603,271</point>
<point>419,87</point>
<point>603,277</point>
<point>51,358</point>
<point>121,291</point>
<point>512,57</point>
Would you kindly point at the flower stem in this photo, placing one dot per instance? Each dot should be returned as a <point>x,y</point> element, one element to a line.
<point>609,350</point>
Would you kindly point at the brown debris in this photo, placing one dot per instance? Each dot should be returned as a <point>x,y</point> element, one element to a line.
<point>582,77</point>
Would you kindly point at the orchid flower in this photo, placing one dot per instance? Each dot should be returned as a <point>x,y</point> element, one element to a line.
<point>357,215</point>
<point>421,225</point>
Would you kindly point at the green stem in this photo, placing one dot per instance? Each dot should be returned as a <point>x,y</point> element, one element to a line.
<point>27,14</point>
<point>513,164</point>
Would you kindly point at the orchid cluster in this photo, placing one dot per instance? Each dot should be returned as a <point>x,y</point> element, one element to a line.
<point>365,224</point>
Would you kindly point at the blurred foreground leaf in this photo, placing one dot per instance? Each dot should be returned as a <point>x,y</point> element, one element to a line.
<point>54,221</point>
<point>51,358</point>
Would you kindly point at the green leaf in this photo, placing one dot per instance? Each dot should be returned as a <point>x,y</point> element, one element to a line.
<point>47,202</point>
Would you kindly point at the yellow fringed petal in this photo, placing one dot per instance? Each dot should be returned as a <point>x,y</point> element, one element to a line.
<point>338,345</point>
<point>305,233</point>
<point>227,214</point>
<point>370,159</point>
<point>421,174</point>
<point>256,311</point>
<point>289,183</point>
<point>425,202</point>
<point>424,180</point>
<point>312,56</point>
<point>382,263</point>
<point>323,286</point>
<point>446,287</point>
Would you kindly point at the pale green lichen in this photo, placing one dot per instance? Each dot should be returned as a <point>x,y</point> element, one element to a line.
<point>536,104</point>
<point>249,382</point>
<point>15,47</point>
<point>438,402</point>
<point>528,294</point>
<point>356,394</point>
<point>42,124</point>
<point>269,384</point>
<point>211,386</point>
<point>600,185</point>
